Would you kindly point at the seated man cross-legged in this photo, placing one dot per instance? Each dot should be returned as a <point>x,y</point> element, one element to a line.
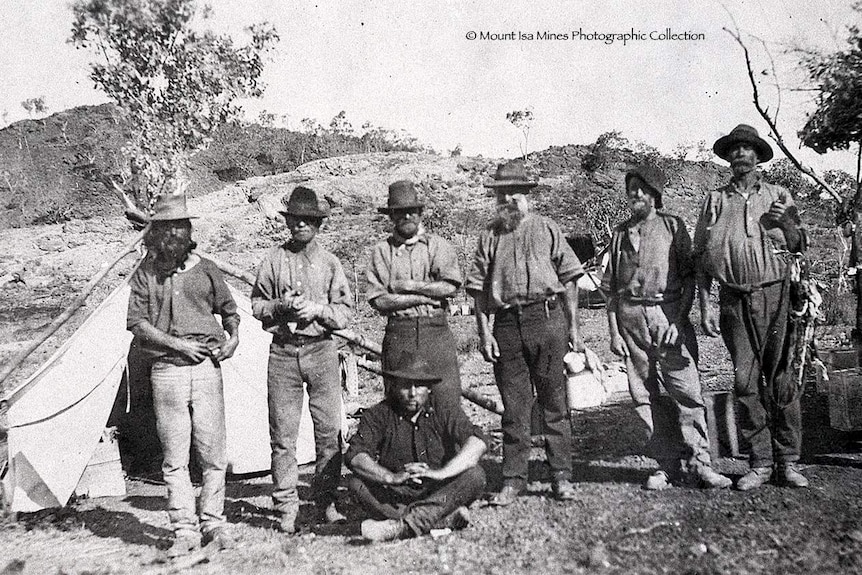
<point>415,466</point>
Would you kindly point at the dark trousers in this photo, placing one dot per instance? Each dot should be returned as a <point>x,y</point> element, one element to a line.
<point>422,507</point>
<point>315,364</point>
<point>532,342</point>
<point>755,330</point>
<point>432,340</point>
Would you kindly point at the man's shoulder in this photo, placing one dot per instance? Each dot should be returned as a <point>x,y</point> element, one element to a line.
<point>671,219</point>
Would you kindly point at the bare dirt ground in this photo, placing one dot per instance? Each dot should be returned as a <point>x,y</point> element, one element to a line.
<point>613,527</point>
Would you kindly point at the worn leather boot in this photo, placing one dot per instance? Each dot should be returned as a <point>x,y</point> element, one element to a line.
<point>564,490</point>
<point>755,477</point>
<point>220,538</point>
<point>789,476</point>
<point>507,495</point>
<point>184,543</point>
<point>708,478</point>
<point>385,530</point>
<point>287,520</point>
<point>658,481</point>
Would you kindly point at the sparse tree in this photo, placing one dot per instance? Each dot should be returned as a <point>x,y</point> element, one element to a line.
<point>35,106</point>
<point>174,83</point>
<point>523,120</point>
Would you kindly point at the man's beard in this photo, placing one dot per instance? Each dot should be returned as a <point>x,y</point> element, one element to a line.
<point>508,218</point>
<point>170,250</point>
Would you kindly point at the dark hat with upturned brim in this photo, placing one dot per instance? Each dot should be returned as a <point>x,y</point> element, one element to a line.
<point>171,207</point>
<point>411,367</point>
<point>746,134</point>
<point>303,202</point>
<point>402,196</point>
<point>511,174</point>
<point>653,177</point>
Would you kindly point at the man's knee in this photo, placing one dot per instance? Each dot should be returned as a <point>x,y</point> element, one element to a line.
<point>474,479</point>
<point>355,485</point>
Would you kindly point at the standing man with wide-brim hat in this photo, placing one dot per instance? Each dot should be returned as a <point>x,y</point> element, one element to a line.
<point>749,238</point>
<point>174,296</point>
<point>649,283</point>
<point>524,273</point>
<point>411,277</point>
<point>301,295</point>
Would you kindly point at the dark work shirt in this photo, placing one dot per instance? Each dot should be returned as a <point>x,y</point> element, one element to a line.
<point>656,270</point>
<point>181,304</point>
<point>393,439</point>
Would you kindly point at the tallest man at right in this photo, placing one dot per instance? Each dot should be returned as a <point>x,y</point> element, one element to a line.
<point>745,238</point>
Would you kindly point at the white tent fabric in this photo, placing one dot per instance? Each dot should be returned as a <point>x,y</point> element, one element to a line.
<point>58,415</point>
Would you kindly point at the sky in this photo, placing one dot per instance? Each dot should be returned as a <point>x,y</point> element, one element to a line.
<point>415,66</point>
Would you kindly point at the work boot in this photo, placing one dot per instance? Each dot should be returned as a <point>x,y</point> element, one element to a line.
<point>658,481</point>
<point>287,520</point>
<point>755,477</point>
<point>331,515</point>
<point>221,538</point>
<point>564,490</point>
<point>184,543</point>
<point>384,530</point>
<point>507,495</point>
<point>789,476</point>
<point>708,478</point>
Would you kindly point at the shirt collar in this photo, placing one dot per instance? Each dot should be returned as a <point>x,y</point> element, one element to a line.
<point>309,249</point>
<point>420,237</point>
<point>758,181</point>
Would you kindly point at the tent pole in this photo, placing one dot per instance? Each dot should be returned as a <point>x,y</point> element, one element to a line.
<point>16,361</point>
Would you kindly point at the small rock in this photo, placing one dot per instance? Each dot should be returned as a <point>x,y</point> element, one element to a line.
<point>698,549</point>
<point>598,557</point>
<point>51,244</point>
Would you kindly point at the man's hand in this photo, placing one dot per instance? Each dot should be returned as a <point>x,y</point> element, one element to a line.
<point>489,348</point>
<point>670,336</point>
<point>399,478</point>
<point>419,470</point>
<point>618,346</point>
<point>194,350</point>
<point>708,322</point>
<point>778,208</point>
<point>227,349</point>
<point>306,309</point>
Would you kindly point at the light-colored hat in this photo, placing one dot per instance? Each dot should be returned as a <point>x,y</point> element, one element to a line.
<point>171,207</point>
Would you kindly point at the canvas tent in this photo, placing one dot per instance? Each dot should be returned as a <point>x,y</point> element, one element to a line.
<point>58,415</point>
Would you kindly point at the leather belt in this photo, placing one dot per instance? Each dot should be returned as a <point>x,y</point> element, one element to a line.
<point>299,339</point>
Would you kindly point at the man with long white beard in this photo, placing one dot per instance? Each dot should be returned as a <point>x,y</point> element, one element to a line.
<point>524,273</point>
<point>174,294</point>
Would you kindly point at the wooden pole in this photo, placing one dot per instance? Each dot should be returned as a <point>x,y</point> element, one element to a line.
<point>356,338</point>
<point>16,361</point>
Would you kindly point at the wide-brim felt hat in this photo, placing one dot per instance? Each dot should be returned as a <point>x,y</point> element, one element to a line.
<point>402,196</point>
<point>411,367</point>
<point>652,176</point>
<point>303,202</point>
<point>171,207</point>
<point>746,134</point>
<point>511,174</point>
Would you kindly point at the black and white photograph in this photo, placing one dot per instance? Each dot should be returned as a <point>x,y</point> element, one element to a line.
<point>345,287</point>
